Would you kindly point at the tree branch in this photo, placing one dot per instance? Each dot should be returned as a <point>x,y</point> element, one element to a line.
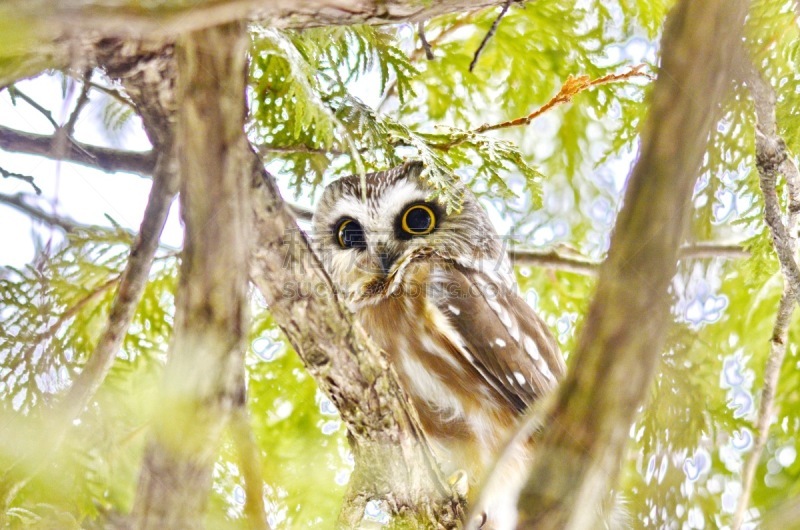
<point>18,203</point>
<point>586,427</point>
<point>14,141</point>
<point>203,377</point>
<point>169,19</point>
<point>489,34</point>
<point>19,176</point>
<point>130,286</point>
<point>764,99</point>
<point>15,92</point>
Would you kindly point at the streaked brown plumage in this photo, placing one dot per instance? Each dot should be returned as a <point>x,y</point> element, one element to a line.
<point>437,292</point>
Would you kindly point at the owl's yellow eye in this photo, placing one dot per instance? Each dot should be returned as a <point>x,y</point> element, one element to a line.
<point>350,234</point>
<point>418,220</point>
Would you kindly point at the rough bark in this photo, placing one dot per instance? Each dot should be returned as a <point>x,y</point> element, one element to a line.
<point>202,377</point>
<point>586,429</point>
<point>770,146</point>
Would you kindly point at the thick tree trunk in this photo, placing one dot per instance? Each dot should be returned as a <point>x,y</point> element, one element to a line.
<point>205,366</point>
<point>586,431</point>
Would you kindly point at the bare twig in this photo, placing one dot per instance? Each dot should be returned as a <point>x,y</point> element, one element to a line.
<point>490,33</point>
<point>18,202</point>
<point>15,92</point>
<point>69,127</point>
<point>767,135</point>
<point>415,55</point>
<point>115,94</point>
<point>424,41</point>
<point>552,259</point>
<point>26,178</point>
<point>571,87</point>
<point>102,158</point>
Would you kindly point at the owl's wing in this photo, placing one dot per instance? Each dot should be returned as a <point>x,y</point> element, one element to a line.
<point>497,333</point>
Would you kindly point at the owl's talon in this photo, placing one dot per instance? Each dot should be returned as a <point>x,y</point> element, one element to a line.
<point>459,482</point>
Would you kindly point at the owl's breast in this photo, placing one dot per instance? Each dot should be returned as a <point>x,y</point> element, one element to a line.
<point>458,411</point>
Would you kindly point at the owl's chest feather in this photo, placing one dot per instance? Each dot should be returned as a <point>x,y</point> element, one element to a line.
<point>456,407</point>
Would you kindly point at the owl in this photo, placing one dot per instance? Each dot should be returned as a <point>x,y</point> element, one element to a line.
<point>436,291</point>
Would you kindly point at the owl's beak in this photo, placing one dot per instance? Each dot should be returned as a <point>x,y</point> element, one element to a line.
<point>385,259</point>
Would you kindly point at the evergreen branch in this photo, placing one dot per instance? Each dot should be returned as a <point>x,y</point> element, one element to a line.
<point>767,138</point>
<point>571,88</point>
<point>102,158</point>
<point>131,284</point>
<point>18,203</point>
<point>15,92</point>
<point>461,22</point>
<point>26,178</point>
<point>490,33</point>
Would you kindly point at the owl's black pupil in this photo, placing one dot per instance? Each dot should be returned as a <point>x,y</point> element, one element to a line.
<point>418,220</point>
<point>352,235</point>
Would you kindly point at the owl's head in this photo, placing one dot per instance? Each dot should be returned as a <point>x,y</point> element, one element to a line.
<point>367,241</point>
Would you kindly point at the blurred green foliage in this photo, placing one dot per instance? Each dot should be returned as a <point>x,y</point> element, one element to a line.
<point>331,101</point>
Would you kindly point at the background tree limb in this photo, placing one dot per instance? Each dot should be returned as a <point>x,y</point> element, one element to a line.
<point>586,429</point>
<point>202,380</point>
<point>102,158</point>
<point>767,138</point>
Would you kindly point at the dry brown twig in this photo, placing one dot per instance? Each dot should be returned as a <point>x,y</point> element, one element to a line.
<point>571,88</point>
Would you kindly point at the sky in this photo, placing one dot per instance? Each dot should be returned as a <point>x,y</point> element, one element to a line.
<point>80,193</point>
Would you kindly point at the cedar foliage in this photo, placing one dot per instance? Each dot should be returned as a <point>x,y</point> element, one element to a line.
<point>331,101</point>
